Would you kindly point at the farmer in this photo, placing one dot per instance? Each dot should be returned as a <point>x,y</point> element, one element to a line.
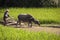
<point>6,16</point>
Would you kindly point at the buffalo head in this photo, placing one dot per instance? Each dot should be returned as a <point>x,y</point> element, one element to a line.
<point>37,22</point>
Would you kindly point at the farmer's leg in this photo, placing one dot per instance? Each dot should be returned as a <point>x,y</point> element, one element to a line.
<point>5,22</point>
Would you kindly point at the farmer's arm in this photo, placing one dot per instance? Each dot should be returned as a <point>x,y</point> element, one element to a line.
<point>8,15</point>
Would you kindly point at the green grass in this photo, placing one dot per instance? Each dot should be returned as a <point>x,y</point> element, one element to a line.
<point>8,33</point>
<point>44,15</point>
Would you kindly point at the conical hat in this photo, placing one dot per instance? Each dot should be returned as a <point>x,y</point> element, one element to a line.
<point>7,10</point>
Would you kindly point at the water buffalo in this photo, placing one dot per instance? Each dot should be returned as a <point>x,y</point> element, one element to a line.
<point>27,18</point>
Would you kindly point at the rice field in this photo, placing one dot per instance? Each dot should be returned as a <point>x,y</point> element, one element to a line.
<point>9,33</point>
<point>44,15</point>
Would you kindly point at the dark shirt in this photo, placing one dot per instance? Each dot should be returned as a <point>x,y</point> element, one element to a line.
<point>6,15</point>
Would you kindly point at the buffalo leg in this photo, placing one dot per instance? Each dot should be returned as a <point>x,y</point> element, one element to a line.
<point>29,24</point>
<point>18,23</point>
